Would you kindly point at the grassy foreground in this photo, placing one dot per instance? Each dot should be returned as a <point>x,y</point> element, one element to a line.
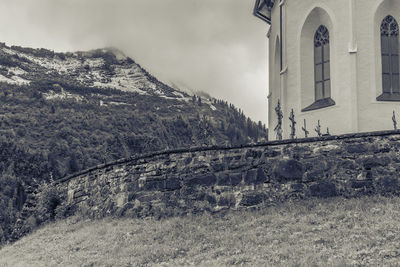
<point>331,232</point>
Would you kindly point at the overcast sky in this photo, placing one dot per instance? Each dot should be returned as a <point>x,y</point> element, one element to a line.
<point>215,46</point>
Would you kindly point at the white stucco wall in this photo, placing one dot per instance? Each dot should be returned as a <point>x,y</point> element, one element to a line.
<point>354,28</point>
<point>373,114</point>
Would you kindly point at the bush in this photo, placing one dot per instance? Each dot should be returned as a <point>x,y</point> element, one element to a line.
<point>48,199</point>
<point>64,210</point>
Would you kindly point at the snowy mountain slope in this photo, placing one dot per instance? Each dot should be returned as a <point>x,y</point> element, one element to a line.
<point>101,68</point>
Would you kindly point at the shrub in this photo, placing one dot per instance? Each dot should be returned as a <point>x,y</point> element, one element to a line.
<point>64,210</point>
<point>48,199</point>
<point>29,224</point>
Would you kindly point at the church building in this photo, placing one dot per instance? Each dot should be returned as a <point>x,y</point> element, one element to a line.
<point>332,61</point>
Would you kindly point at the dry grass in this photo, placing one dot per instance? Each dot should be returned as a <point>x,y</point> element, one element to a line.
<point>332,232</point>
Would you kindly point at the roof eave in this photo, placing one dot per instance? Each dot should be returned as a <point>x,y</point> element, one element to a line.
<point>260,15</point>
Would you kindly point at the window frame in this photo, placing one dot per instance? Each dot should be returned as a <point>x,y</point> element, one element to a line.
<point>321,43</point>
<point>321,62</point>
<point>390,60</point>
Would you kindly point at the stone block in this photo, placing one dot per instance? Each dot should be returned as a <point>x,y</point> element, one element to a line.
<point>388,185</point>
<point>357,148</point>
<point>131,196</point>
<point>313,176</point>
<point>132,186</point>
<point>251,199</point>
<point>237,165</point>
<point>238,157</point>
<point>188,190</point>
<point>218,167</point>
<point>154,185</point>
<point>384,148</point>
<point>347,164</point>
<point>223,201</point>
<point>253,154</point>
<point>227,159</point>
<point>188,160</point>
<point>288,170</point>
<point>272,153</point>
<point>261,176</point>
<point>205,180</point>
<point>250,176</point>
<point>121,199</point>
<point>211,199</point>
<point>299,149</point>
<point>70,195</point>
<point>223,179</point>
<point>317,164</point>
<point>147,197</point>
<point>226,200</point>
<point>356,184</point>
<point>173,184</point>
<point>170,198</point>
<point>374,161</point>
<point>236,178</point>
<point>200,196</point>
<point>323,189</point>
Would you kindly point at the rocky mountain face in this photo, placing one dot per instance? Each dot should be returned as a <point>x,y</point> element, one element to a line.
<point>64,112</point>
<point>101,68</point>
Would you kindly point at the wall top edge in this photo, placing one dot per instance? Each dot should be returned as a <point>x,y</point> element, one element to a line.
<point>222,148</point>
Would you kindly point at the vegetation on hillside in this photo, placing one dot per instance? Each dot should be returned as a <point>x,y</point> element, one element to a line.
<point>331,232</point>
<point>105,125</point>
<point>20,170</point>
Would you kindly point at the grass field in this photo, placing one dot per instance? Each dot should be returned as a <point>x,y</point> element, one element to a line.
<point>330,232</point>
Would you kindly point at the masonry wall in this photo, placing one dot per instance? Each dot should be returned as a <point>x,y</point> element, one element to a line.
<point>232,178</point>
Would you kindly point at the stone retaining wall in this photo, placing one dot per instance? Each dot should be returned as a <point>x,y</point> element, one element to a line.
<point>231,178</point>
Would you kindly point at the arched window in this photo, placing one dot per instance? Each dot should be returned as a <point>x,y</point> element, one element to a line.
<point>390,57</point>
<point>322,71</point>
<point>322,64</point>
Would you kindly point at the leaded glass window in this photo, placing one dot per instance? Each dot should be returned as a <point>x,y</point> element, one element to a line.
<point>390,55</point>
<point>322,63</point>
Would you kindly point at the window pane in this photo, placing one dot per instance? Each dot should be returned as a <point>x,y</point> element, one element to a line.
<point>318,54</point>
<point>327,71</point>
<point>385,64</point>
<point>395,64</point>
<point>318,73</point>
<point>386,83</point>
<point>327,89</point>
<point>318,90</point>
<point>326,52</point>
<point>395,84</point>
<point>384,44</point>
<point>394,47</point>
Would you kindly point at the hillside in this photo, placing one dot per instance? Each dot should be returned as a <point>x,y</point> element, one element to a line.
<point>65,112</point>
<point>85,108</point>
<point>332,232</point>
